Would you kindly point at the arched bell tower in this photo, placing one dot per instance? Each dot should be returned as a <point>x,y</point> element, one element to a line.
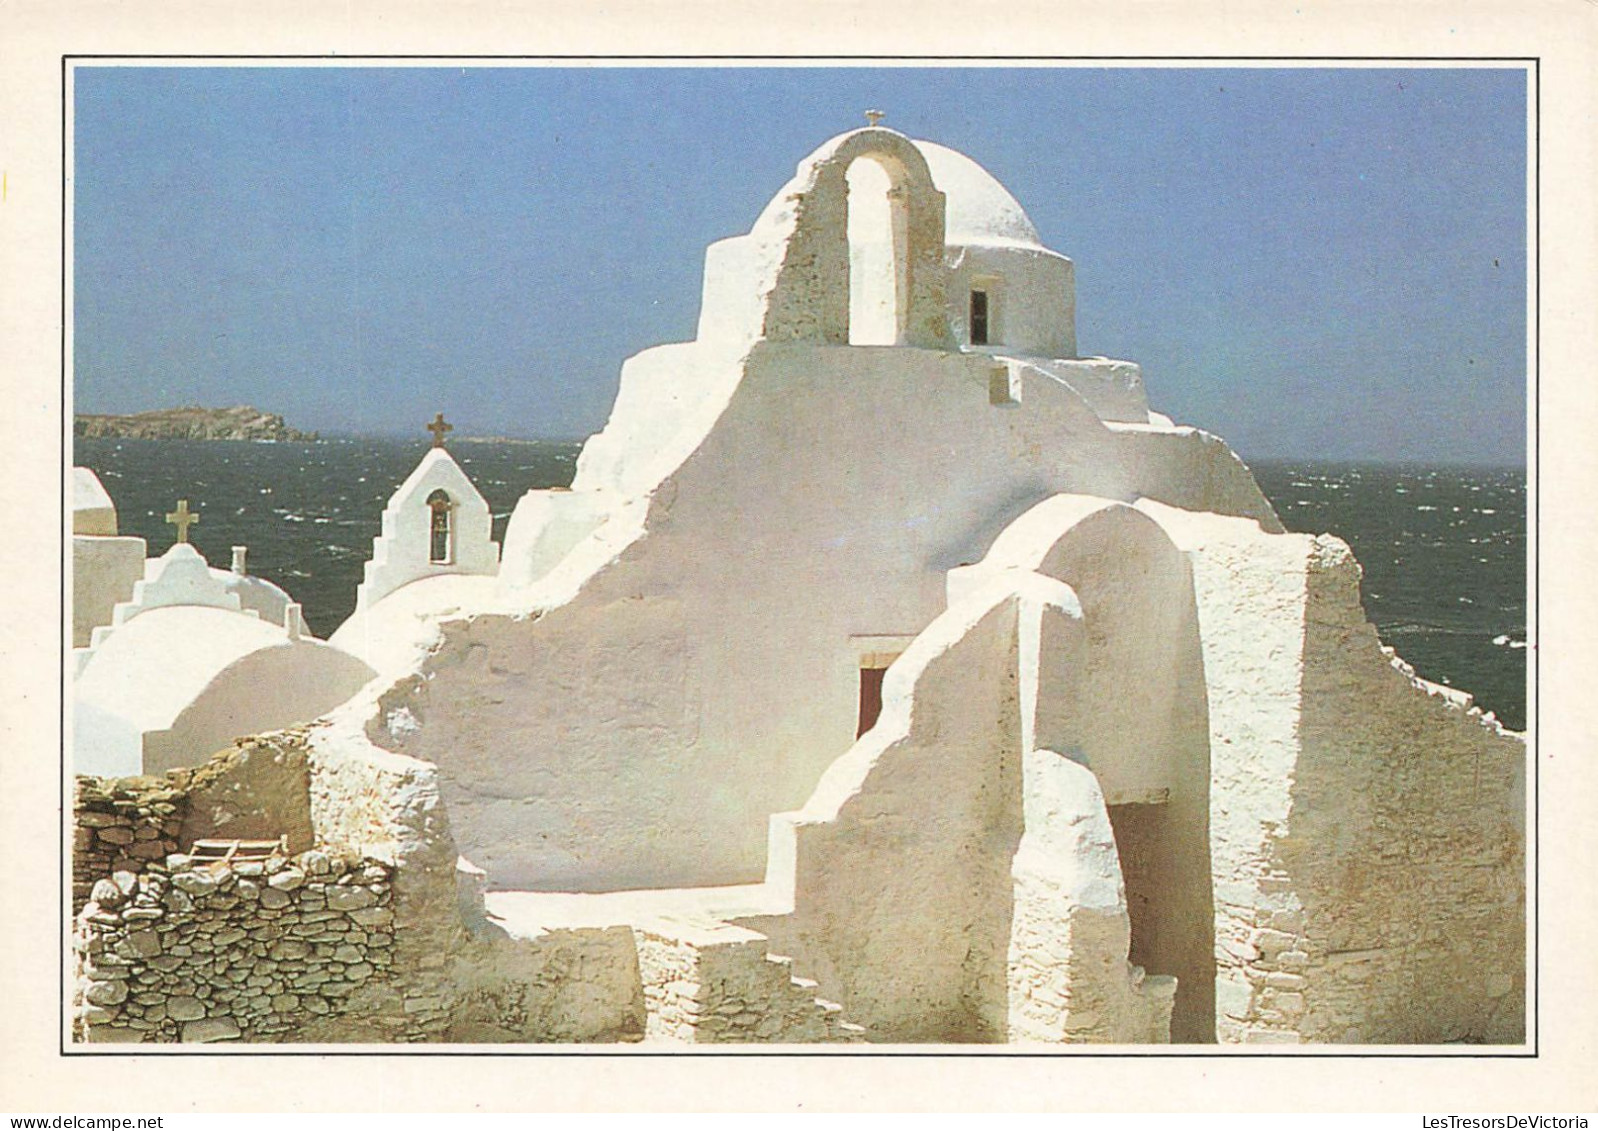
<point>810,298</point>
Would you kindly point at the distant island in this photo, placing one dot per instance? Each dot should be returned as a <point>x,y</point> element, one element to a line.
<point>190,423</point>
<point>504,440</point>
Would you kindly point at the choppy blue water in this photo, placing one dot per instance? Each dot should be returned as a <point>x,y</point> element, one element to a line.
<point>308,512</point>
<point>1443,549</point>
<point>1444,554</point>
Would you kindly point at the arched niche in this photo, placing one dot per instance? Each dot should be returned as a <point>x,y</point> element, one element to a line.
<point>810,300</point>
<point>441,528</point>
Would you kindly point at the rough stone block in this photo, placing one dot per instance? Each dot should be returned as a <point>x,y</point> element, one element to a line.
<point>1270,1037</point>
<point>210,1029</point>
<point>1233,997</point>
<point>287,880</point>
<point>106,993</point>
<point>350,898</point>
<point>144,943</point>
<point>195,883</point>
<point>1271,943</point>
<point>185,1009</point>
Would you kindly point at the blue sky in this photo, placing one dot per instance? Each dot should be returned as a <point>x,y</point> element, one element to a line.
<point>1322,263</point>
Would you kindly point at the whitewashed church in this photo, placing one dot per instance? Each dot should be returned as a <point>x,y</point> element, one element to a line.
<point>888,673</point>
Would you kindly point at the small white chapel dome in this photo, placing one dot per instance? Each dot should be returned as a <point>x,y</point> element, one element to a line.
<point>978,210</point>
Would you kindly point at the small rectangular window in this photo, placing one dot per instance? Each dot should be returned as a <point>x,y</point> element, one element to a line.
<point>979,318</point>
<point>870,698</point>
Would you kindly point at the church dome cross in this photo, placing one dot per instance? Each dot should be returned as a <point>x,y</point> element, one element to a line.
<point>182,519</point>
<point>438,427</point>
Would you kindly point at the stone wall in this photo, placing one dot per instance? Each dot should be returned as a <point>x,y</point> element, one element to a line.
<point>1366,827</point>
<point>256,790</point>
<point>121,825</point>
<point>1070,982</point>
<point>713,983</point>
<point>899,867</point>
<point>1070,979</point>
<point>252,950</point>
<point>556,986</point>
<point>359,938</point>
<point>1400,876</point>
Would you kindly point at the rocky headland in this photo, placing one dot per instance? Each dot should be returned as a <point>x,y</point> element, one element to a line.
<point>191,423</point>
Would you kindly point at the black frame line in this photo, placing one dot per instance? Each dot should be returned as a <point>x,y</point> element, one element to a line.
<point>1300,1052</point>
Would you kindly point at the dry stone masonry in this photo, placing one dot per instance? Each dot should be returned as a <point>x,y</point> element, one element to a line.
<point>247,950</point>
<point>712,983</point>
<point>121,826</point>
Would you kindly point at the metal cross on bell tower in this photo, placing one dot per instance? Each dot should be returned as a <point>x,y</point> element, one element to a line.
<point>182,519</point>
<point>438,428</point>
<point>874,116</point>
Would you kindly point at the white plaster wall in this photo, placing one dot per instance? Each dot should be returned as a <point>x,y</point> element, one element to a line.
<point>670,397</point>
<point>899,864</point>
<point>1137,599</point>
<point>400,554</point>
<point>1406,846</point>
<point>942,855</point>
<point>92,509</point>
<point>1189,468</point>
<point>1114,389</point>
<point>393,635</point>
<point>731,302</point>
<point>1146,729</point>
<point>290,683</point>
<point>544,527</point>
<point>1366,833</point>
<point>190,679</point>
<point>639,731</point>
<point>178,578</point>
<point>105,743</point>
<point>1069,978</point>
<point>256,595</point>
<point>1132,710</point>
<point>104,571</point>
<point>1031,299</point>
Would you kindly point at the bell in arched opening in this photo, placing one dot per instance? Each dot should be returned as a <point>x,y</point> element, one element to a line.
<point>441,542</point>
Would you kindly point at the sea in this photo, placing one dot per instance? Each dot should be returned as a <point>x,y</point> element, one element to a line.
<point>1444,549</point>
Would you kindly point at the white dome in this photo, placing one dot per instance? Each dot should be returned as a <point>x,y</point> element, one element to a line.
<point>980,210</point>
